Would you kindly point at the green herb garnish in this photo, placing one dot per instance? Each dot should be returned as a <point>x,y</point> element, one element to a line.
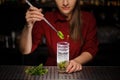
<point>62,65</point>
<point>36,70</point>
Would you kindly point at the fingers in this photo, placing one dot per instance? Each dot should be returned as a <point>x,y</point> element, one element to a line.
<point>73,67</point>
<point>34,14</point>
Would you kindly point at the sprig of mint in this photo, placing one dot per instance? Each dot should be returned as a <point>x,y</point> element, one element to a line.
<point>36,70</point>
<point>62,65</point>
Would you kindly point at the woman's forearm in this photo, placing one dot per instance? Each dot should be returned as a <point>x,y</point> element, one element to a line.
<point>26,40</point>
<point>84,58</point>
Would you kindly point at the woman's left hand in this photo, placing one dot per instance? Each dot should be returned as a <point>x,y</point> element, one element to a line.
<point>73,66</point>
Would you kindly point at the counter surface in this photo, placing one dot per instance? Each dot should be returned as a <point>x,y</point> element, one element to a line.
<point>17,72</point>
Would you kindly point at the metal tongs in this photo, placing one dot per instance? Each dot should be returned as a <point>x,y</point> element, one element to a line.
<point>59,33</point>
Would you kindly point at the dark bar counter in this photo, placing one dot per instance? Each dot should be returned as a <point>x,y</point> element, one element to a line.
<point>15,72</point>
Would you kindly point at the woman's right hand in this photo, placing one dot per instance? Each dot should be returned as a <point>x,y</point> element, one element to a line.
<point>33,14</point>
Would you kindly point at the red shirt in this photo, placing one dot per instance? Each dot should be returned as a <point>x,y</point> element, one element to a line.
<point>58,21</point>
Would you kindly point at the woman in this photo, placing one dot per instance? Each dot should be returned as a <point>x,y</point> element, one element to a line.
<point>78,27</point>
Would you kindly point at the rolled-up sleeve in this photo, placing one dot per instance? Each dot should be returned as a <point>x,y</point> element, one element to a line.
<point>37,34</point>
<point>90,35</point>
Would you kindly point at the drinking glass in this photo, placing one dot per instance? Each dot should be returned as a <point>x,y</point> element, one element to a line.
<point>62,56</point>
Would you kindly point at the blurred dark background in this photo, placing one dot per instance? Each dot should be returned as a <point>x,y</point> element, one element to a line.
<point>12,21</point>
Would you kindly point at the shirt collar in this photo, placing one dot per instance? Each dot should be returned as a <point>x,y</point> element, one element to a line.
<point>59,16</point>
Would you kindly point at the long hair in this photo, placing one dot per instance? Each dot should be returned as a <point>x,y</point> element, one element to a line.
<point>75,23</point>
